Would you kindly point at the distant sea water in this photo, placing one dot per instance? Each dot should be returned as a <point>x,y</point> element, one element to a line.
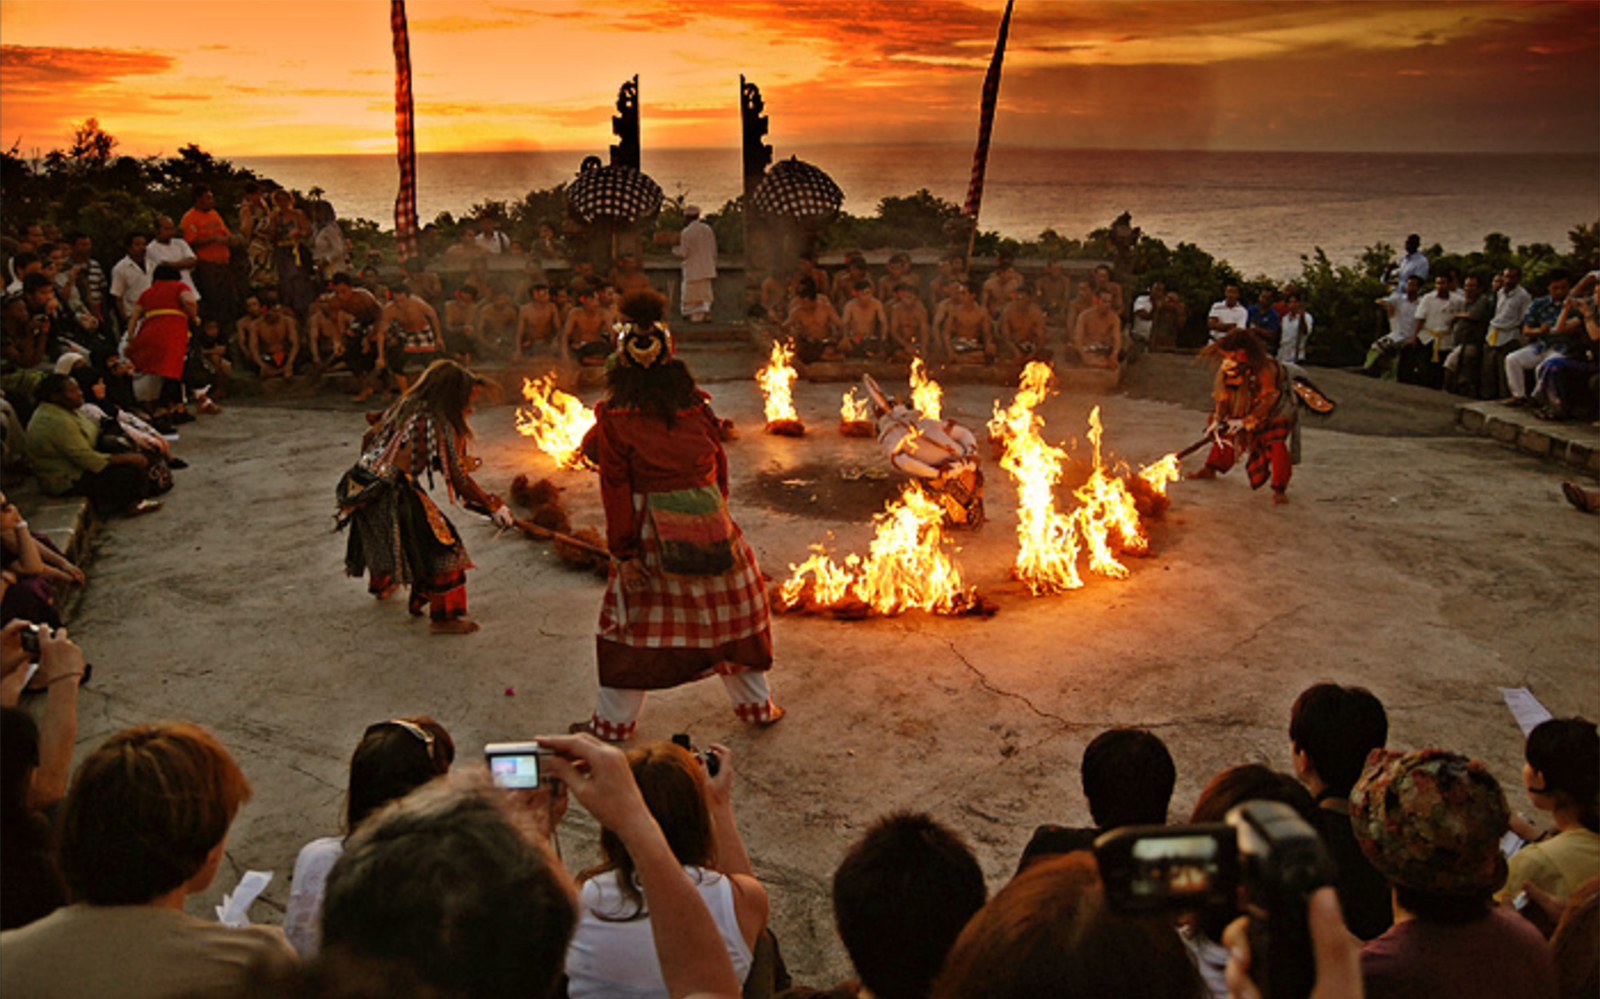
<point>1258,211</point>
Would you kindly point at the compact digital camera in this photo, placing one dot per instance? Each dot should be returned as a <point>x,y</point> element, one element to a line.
<point>1264,861</point>
<point>708,760</point>
<point>515,765</point>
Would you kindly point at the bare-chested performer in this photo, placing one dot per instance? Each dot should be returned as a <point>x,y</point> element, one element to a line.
<point>538,324</point>
<point>363,331</point>
<point>908,325</point>
<point>411,339</point>
<point>814,325</point>
<point>324,330</point>
<point>775,296</point>
<point>897,271</point>
<point>628,276</point>
<point>423,283</point>
<point>866,325</point>
<point>806,269</point>
<point>1098,336</point>
<point>460,317</point>
<point>844,282</point>
<point>1053,288</point>
<point>497,325</point>
<point>998,289</point>
<point>241,329</point>
<point>274,342</point>
<point>952,268</point>
<point>966,325</point>
<point>1022,333</point>
<point>586,334</point>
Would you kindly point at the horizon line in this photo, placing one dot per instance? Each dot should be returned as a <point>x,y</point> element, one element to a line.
<point>733,150</point>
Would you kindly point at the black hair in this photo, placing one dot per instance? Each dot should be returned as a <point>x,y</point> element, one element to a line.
<point>198,190</point>
<point>1566,753</point>
<point>1443,907</point>
<point>1235,786</point>
<point>1336,727</point>
<point>50,386</point>
<point>21,261</point>
<point>1128,777</point>
<point>391,761</point>
<point>901,897</point>
<point>133,236</point>
<point>33,282</point>
<point>1559,274</point>
<point>166,272</point>
<point>342,277</point>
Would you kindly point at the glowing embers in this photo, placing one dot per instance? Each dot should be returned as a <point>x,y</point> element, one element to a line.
<point>855,416</point>
<point>556,421</point>
<point>776,379</point>
<point>926,395</point>
<point>906,568</point>
<point>1105,523</point>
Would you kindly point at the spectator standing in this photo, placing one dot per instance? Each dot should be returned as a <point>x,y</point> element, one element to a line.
<point>255,230</point>
<point>1227,315</point>
<point>130,277</point>
<point>170,248</point>
<point>697,247</point>
<point>1265,321</point>
<point>1511,304</point>
<point>208,236</point>
<point>1469,328</point>
<point>489,238</point>
<point>1431,342</point>
<point>330,251</point>
<point>1295,330</point>
<point>92,278</point>
<point>1414,263</point>
<point>158,337</point>
<point>144,827</point>
<point>288,228</point>
<point>1401,308</point>
<point>1144,314</point>
<point>1431,821</point>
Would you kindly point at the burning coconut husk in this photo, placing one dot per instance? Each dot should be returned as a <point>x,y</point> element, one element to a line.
<point>906,568</point>
<point>777,379</point>
<point>855,416</point>
<point>555,421</point>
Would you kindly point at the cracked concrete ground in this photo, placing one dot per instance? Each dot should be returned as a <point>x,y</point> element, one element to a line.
<point>1432,568</point>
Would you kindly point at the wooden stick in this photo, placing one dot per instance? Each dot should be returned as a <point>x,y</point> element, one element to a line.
<point>538,531</point>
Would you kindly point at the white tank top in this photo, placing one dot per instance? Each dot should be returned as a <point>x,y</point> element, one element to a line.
<point>613,959</point>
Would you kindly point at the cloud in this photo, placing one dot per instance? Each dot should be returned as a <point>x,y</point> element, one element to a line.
<point>29,68</point>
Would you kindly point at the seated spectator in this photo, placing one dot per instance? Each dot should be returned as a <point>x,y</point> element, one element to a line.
<point>144,826</point>
<point>613,952</point>
<point>901,896</point>
<point>1127,779</point>
<point>1565,382</point>
<point>35,761</point>
<point>1431,822</point>
<point>1575,946</point>
<point>1050,933</point>
<point>456,884</point>
<point>1234,786</point>
<point>1332,730</point>
<point>1562,776</point>
<point>393,759</point>
<point>1097,337</point>
<point>1548,329</point>
<point>124,426</point>
<point>37,570</point>
<point>63,449</point>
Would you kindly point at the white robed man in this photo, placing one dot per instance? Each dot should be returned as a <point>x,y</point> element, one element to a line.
<point>697,246</point>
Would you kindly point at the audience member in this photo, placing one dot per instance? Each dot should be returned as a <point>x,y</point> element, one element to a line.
<point>62,447</point>
<point>1227,315</point>
<point>35,569</point>
<point>1463,366</point>
<point>1562,776</point>
<point>1332,729</point>
<point>35,760</point>
<point>144,827</point>
<point>392,759</point>
<point>866,324</point>
<point>1431,821</point>
<point>1295,330</point>
<point>1414,264</point>
<point>1144,314</point>
<point>1097,338</point>
<point>901,896</point>
<point>998,289</point>
<point>205,232</point>
<point>288,228</point>
<point>158,340</point>
<point>1050,932</point>
<point>170,248</point>
<point>613,951</point>
<point>1265,321</point>
<point>1401,308</point>
<point>908,324</point>
<point>330,250</point>
<point>1127,777</point>
<point>1546,329</point>
<point>1511,304</point>
<point>1567,387</point>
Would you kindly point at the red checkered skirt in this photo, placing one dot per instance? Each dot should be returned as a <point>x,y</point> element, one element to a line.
<point>682,628</point>
<point>1259,463</point>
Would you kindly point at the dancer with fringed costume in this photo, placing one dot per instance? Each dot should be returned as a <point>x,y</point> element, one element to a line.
<point>397,534</point>
<point>1255,412</point>
<point>684,599</point>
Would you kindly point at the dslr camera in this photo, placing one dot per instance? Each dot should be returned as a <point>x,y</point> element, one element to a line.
<point>1264,861</point>
<point>708,760</point>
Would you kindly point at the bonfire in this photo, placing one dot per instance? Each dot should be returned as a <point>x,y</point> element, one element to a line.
<point>855,416</point>
<point>776,379</point>
<point>926,395</point>
<point>906,568</point>
<point>555,420</point>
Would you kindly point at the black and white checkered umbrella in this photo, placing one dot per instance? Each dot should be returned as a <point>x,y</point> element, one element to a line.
<point>795,189</point>
<point>613,194</point>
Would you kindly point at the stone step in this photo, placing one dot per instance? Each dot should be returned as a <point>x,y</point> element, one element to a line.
<point>1571,443</point>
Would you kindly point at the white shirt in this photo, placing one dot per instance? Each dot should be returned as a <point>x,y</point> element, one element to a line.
<point>129,280</point>
<point>302,921</point>
<point>698,248</point>
<point>1509,311</point>
<point>1403,322</point>
<point>156,253</point>
<point>1435,313</point>
<point>1292,344</point>
<point>1238,315</point>
<point>1141,327</point>
<point>494,242</point>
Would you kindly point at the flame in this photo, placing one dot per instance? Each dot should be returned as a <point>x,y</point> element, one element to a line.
<point>556,421</point>
<point>1047,542</point>
<point>906,567</point>
<point>925,392</point>
<point>1108,512</point>
<point>775,380</point>
<point>854,409</point>
<point>1158,474</point>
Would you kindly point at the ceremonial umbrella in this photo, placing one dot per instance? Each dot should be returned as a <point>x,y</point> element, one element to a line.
<point>795,189</point>
<point>613,194</point>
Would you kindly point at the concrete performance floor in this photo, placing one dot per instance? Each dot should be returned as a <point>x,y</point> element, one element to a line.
<point>1433,569</point>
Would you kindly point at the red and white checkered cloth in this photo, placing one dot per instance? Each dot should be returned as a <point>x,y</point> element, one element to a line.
<point>686,612</point>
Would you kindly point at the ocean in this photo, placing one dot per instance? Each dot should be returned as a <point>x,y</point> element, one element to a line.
<point>1259,211</point>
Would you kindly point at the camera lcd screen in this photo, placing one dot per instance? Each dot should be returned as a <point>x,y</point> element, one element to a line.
<point>1175,866</point>
<point>520,770</point>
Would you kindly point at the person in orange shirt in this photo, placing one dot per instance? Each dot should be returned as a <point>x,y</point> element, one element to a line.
<point>206,234</point>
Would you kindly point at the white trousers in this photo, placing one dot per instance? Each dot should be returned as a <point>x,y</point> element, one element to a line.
<point>1519,363</point>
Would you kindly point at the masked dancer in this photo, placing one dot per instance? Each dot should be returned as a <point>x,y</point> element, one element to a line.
<point>1254,413</point>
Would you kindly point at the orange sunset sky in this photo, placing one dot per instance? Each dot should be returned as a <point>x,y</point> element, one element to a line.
<point>246,77</point>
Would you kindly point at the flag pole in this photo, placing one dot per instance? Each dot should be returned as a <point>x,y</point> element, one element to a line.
<point>407,243</point>
<point>980,155</point>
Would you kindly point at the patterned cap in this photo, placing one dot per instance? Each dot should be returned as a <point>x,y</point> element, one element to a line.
<point>1431,820</point>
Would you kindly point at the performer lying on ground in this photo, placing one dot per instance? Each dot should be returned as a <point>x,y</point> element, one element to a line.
<point>397,533</point>
<point>685,598</point>
<point>1255,412</point>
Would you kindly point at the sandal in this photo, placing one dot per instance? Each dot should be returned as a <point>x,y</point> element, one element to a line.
<point>1580,497</point>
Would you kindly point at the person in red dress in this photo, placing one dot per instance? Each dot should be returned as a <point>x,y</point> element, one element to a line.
<point>684,599</point>
<point>160,338</point>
